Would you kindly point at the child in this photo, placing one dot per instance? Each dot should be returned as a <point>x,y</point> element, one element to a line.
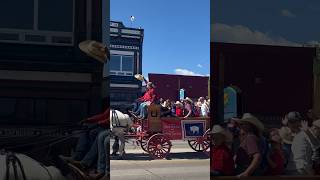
<point>275,156</point>
<point>222,163</point>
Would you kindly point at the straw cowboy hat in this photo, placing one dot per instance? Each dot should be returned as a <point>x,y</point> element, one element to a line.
<point>316,123</point>
<point>217,129</point>
<point>178,103</point>
<point>188,99</point>
<point>249,118</point>
<point>139,77</point>
<point>95,50</point>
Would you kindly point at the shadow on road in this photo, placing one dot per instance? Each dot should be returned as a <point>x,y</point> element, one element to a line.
<point>171,156</point>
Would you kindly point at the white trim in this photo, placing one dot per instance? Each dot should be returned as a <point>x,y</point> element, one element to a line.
<point>113,24</point>
<point>115,30</point>
<point>135,37</point>
<point>129,31</point>
<point>45,76</point>
<point>114,35</point>
<point>138,62</point>
<point>123,46</point>
<point>124,85</point>
<point>115,52</point>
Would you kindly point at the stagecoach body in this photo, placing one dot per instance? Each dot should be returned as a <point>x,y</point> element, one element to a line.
<point>155,133</point>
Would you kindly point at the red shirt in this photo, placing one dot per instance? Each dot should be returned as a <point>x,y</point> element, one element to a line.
<point>179,112</point>
<point>222,160</point>
<point>278,158</point>
<point>102,119</point>
<point>149,95</point>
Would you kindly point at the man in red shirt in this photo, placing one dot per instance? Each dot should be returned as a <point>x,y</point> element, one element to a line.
<point>222,163</point>
<point>148,98</point>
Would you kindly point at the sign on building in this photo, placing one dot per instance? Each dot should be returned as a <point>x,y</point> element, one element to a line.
<point>230,103</point>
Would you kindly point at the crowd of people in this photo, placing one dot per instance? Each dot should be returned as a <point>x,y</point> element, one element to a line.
<point>243,147</point>
<point>184,108</point>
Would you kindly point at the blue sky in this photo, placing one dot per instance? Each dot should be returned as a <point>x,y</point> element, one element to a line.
<point>177,33</point>
<point>285,22</point>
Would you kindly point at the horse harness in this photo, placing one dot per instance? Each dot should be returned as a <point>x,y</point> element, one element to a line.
<point>115,120</point>
<point>12,159</point>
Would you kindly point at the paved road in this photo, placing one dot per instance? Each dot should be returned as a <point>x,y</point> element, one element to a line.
<point>182,164</point>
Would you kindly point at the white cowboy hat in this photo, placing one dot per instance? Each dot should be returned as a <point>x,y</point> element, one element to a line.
<point>249,118</point>
<point>316,123</point>
<point>95,50</point>
<point>139,77</point>
<point>188,99</point>
<point>178,103</point>
<point>217,129</point>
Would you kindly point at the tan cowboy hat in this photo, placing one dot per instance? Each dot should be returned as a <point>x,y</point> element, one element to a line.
<point>188,99</point>
<point>139,77</point>
<point>95,50</point>
<point>217,129</point>
<point>178,103</point>
<point>316,123</point>
<point>249,118</point>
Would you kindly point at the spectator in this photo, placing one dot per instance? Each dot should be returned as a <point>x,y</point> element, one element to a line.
<point>275,156</point>
<point>179,109</point>
<point>188,107</point>
<point>204,107</point>
<point>303,146</point>
<point>222,161</point>
<point>287,138</point>
<point>249,154</point>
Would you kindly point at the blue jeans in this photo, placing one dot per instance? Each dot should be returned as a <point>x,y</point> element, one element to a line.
<point>144,112</point>
<point>85,141</point>
<point>141,110</point>
<point>94,153</point>
<point>104,151</point>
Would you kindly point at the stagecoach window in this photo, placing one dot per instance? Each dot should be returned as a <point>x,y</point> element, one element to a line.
<point>55,15</point>
<point>16,14</point>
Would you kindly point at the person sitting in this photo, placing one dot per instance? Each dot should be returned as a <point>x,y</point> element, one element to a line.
<point>166,109</point>
<point>179,109</point>
<point>188,108</point>
<point>222,158</point>
<point>275,156</point>
<point>85,159</point>
<point>148,98</point>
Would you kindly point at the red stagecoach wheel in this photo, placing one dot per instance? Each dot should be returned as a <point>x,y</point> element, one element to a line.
<point>206,142</point>
<point>158,146</point>
<point>200,144</point>
<point>143,140</point>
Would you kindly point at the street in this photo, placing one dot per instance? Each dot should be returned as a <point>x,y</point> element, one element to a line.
<point>182,164</point>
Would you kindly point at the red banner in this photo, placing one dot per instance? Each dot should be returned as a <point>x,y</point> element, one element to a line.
<point>172,128</point>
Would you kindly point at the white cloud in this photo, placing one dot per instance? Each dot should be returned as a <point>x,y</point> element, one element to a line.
<point>199,65</point>
<point>287,13</point>
<point>242,34</point>
<point>186,72</point>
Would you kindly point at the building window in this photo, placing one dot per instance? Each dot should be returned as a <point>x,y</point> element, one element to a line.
<point>121,65</point>
<point>37,21</point>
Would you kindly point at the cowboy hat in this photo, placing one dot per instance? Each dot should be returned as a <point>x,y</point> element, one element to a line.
<point>286,135</point>
<point>95,50</point>
<point>139,77</point>
<point>188,99</point>
<point>249,118</point>
<point>178,103</point>
<point>316,123</point>
<point>217,129</point>
<point>151,84</point>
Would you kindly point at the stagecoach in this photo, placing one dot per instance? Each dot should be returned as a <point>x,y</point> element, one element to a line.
<point>154,134</point>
